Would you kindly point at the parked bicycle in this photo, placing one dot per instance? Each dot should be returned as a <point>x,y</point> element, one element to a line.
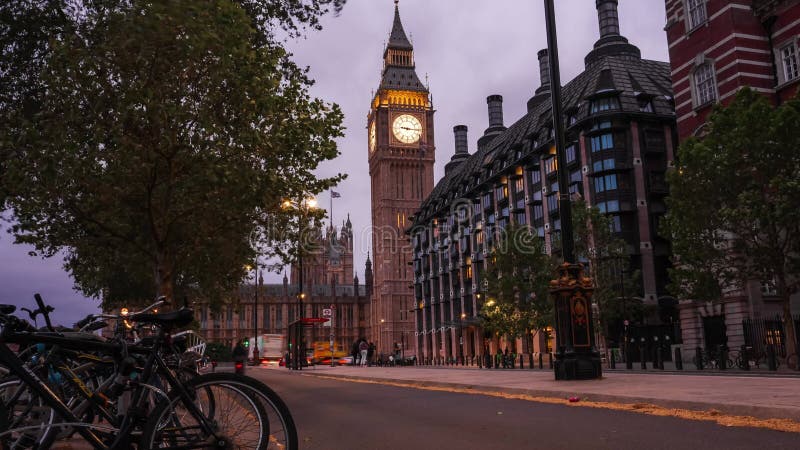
<point>120,395</point>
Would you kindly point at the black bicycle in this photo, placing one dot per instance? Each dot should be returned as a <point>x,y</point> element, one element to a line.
<point>154,409</point>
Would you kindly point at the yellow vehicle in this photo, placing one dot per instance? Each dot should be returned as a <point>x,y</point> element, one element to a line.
<point>322,350</point>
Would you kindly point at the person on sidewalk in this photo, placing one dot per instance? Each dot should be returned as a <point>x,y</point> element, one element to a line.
<point>363,349</point>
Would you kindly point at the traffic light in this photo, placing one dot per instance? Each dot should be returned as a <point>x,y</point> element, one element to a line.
<point>246,343</point>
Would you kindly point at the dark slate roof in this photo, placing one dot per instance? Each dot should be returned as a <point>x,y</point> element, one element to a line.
<point>623,74</point>
<point>397,38</point>
<point>399,77</point>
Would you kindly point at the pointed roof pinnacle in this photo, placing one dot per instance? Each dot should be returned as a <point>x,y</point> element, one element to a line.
<point>397,38</point>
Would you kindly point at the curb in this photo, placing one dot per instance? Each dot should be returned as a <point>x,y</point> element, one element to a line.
<point>759,412</point>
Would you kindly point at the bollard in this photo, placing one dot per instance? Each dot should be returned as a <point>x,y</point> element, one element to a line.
<point>530,361</point>
<point>550,357</point>
<point>612,360</point>
<point>520,361</point>
<point>678,359</point>
<point>541,360</point>
<point>658,362</point>
<point>628,359</point>
<point>772,361</point>
<point>642,357</point>
<point>698,358</point>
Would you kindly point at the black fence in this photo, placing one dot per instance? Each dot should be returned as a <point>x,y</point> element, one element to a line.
<point>762,332</point>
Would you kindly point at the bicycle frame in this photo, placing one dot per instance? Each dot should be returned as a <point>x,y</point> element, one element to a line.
<point>154,364</point>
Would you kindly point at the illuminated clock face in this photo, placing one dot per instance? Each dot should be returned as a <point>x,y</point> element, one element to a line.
<point>372,137</point>
<point>407,129</point>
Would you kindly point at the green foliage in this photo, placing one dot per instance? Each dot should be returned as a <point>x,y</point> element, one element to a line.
<point>152,141</point>
<point>517,281</point>
<point>734,208</point>
<point>615,284</point>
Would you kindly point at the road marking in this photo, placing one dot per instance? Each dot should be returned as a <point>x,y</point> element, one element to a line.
<point>785,425</point>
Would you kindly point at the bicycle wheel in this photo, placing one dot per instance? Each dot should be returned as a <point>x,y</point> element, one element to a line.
<point>240,417</point>
<point>791,361</point>
<point>27,420</point>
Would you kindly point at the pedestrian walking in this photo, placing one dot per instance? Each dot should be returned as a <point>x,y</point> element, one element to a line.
<point>363,349</point>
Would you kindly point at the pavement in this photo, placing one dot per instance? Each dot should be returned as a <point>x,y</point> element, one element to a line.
<point>759,396</point>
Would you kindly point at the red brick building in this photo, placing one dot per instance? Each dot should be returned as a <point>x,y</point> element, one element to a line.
<point>717,47</point>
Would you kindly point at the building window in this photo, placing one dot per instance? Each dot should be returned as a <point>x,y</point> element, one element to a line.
<point>615,224</point>
<point>538,212</point>
<point>704,86</point>
<point>602,142</point>
<point>789,61</point>
<point>609,206</point>
<point>645,105</point>
<point>575,176</point>
<point>696,13</point>
<point>552,203</point>
<point>520,218</point>
<point>536,177</point>
<point>550,165</point>
<point>570,154</point>
<point>606,164</point>
<point>601,126</point>
<point>606,183</point>
<point>519,185</point>
<point>604,104</point>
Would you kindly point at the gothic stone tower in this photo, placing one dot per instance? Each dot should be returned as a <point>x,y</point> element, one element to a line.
<point>401,156</point>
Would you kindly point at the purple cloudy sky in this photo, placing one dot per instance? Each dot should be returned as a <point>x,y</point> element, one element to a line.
<point>469,49</point>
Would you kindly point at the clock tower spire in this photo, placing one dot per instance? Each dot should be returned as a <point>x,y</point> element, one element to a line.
<point>401,154</point>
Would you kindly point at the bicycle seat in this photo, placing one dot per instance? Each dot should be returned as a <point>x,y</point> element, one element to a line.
<point>7,309</point>
<point>179,318</point>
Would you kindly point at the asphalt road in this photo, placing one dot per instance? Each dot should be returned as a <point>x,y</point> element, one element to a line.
<point>333,415</point>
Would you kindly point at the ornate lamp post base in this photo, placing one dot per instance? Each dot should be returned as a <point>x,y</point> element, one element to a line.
<point>576,355</point>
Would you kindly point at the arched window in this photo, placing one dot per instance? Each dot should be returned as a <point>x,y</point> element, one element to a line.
<point>705,87</point>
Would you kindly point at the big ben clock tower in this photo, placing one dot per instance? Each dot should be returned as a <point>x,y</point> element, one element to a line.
<point>401,155</point>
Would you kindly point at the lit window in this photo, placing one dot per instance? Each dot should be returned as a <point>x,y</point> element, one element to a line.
<point>705,89</point>
<point>519,185</point>
<point>697,12</point>
<point>550,165</point>
<point>789,60</point>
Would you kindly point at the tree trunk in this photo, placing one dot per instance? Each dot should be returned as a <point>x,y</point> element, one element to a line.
<point>164,278</point>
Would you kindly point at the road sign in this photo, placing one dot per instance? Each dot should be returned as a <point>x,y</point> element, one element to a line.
<point>327,312</point>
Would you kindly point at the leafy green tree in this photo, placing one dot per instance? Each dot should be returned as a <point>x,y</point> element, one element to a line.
<point>517,282</point>
<point>734,207</point>
<point>157,137</point>
<point>608,260</point>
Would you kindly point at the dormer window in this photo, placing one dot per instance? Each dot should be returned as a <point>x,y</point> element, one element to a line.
<point>645,103</point>
<point>696,13</point>
<point>604,104</point>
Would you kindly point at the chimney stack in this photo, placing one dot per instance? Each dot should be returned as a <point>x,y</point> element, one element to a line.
<point>608,17</point>
<point>460,132</point>
<point>495,103</point>
<point>544,71</point>
<point>462,149</point>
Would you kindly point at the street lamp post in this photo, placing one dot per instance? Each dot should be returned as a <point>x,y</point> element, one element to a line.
<point>303,207</point>
<point>461,337</point>
<point>258,281</point>
<point>576,355</point>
